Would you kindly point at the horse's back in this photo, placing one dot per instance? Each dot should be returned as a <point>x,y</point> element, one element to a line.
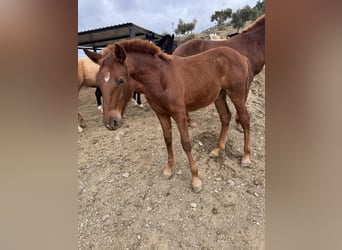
<point>247,45</point>
<point>87,71</point>
<point>232,65</point>
<point>206,73</point>
<point>189,48</point>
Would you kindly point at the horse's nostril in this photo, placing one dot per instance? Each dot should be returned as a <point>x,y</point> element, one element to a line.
<point>115,123</point>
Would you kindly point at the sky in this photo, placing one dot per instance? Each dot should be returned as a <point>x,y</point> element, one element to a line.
<point>154,15</point>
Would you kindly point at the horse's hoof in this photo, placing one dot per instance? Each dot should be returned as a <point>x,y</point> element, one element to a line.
<point>245,162</point>
<point>167,174</point>
<point>80,129</point>
<point>196,188</point>
<point>214,153</point>
<point>100,108</point>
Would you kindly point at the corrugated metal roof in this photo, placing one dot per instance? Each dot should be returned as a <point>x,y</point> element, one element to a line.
<point>101,37</point>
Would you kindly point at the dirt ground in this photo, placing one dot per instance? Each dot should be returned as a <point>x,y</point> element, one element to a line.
<point>124,203</point>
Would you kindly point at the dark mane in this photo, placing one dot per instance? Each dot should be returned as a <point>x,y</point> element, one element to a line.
<point>138,45</point>
<point>260,20</point>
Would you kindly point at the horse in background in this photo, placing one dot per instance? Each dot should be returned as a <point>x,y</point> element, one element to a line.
<point>250,43</point>
<point>87,70</point>
<point>215,37</point>
<point>166,43</point>
<point>173,86</point>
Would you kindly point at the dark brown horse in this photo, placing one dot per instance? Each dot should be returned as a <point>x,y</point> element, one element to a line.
<point>250,43</point>
<point>173,86</point>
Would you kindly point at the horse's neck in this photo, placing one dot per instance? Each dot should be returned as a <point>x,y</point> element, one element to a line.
<point>252,45</point>
<point>141,68</point>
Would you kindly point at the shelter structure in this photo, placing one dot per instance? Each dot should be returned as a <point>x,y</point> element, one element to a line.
<point>99,38</point>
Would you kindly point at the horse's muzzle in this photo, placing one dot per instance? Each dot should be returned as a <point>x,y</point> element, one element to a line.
<point>113,124</point>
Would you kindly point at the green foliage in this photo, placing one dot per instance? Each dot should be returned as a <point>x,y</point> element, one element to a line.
<point>259,8</point>
<point>221,16</point>
<point>189,37</point>
<point>241,16</point>
<point>185,28</point>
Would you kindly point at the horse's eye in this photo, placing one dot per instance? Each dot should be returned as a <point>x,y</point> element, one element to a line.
<point>121,80</point>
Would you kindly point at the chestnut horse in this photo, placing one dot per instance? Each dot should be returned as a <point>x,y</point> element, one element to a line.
<point>249,43</point>
<point>87,76</point>
<point>173,86</point>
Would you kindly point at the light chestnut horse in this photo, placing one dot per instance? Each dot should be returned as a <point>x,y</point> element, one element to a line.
<point>174,86</point>
<point>87,71</point>
<point>249,43</point>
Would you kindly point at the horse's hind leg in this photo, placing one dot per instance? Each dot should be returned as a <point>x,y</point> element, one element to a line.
<point>165,122</point>
<point>243,119</point>
<point>182,124</point>
<point>81,123</point>
<point>225,117</point>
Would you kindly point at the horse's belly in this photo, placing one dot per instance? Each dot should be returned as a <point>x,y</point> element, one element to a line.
<point>201,96</point>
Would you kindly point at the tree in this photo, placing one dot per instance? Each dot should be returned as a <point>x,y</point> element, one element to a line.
<point>221,16</point>
<point>240,17</point>
<point>259,8</point>
<point>184,28</point>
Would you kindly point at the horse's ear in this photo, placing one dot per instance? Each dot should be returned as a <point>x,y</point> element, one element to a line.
<point>120,53</point>
<point>95,57</point>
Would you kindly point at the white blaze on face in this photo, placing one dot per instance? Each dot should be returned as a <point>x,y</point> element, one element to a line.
<point>107,77</point>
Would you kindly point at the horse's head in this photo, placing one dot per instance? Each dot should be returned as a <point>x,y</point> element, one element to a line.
<point>112,79</point>
<point>166,43</point>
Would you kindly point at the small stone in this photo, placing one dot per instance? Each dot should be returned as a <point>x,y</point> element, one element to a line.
<point>257,182</point>
<point>179,172</point>
<point>149,209</point>
<point>230,182</point>
<point>200,143</point>
<point>249,191</point>
<point>125,175</point>
<point>105,217</point>
<point>138,237</point>
<point>193,205</point>
<point>214,211</point>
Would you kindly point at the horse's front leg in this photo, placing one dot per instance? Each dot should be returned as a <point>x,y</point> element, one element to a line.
<point>165,122</point>
<point>182,123</point>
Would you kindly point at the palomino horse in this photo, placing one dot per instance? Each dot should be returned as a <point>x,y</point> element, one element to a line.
<point>173,86</point>
<point>250,43</point>
<point>87,70</point>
